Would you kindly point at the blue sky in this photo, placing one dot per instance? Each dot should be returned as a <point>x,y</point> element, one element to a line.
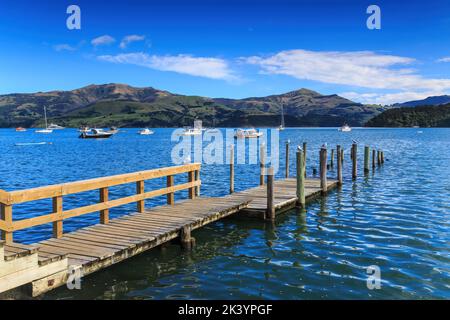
<point>229,48</point>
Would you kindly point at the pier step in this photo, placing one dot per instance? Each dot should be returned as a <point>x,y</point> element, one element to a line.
<point>22,264</point>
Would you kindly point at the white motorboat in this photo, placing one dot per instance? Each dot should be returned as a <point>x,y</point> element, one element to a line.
<point>146,132</point>
<point>47,129</point>
<point>191,132</point>
<point>55,127</point>
<point>247,134</point>
<point>96,134</point>
<point>345,128</point>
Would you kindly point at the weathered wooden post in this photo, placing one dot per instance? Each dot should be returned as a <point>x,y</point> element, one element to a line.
<point>323,169</point>
<point>57,205</point>
<point>197,178</point>
<point>270,214</point>
<point>232,168</point>
<point>287,158</point>
<point>104,214</point>
<point>378,157</point>
<point>339,165</point>
<point>373,158</point>
<point>382,157</point>
<point>170,196</point>
<point>332,158</point>
<point>6,216</point>
<point>262,160</point>
<point>304,156</point>
<point>191,178</point>
<point>187,241</point>
<point>354,154</point>
<point>139,190</point>
<point>300,178</point>
<point>366,159</point>
<point>342,155</point>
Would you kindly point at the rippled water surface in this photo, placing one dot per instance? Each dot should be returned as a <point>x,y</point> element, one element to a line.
<point>396,218</point>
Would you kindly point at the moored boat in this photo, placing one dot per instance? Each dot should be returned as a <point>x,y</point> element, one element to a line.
<point>20,129</point>
<point>247,134</point>
<point>345,128</point>
<point>96,134</point>
<point>47,129</point>
<point>55,127</point>
<point>145,132</point>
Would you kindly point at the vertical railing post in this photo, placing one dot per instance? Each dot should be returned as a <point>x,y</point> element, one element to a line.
<point>270,214</point>
<point>170,196</point>
<point>339,165</point>
<point>262,161</point>
<point>6,216</point>
<point>140,190</point>
<point>104,214</point>
<point>197,178</point>
<point>287,159</point>
<point>300,178</point>
<point>191,178</point>
<point>57,210</point>
<point>354,160</point>
<point>366,159</point>
<point>232,168</point>
<point>323,169</point>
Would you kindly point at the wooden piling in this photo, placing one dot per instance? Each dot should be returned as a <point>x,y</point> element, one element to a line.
<point>287,159</point>
<point>301,201</point>
<point>262,161</point>
<point>354,154</point>
<point>342,155</point>
<point>304,156</point>
<point>378,157</point>
<point>366,159</point>
<point>332,158</point>
<point>231,168</point>
<point>323,170</point>
<point>382,157</point>
<point>339,165</point>
<point>373,158</point>
<point>270,214</point>
<point>187,241</point>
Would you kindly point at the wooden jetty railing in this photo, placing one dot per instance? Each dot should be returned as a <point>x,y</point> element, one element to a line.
<point>56,192</point>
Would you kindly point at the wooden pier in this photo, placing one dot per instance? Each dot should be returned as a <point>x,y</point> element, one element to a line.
<point>44,266</point>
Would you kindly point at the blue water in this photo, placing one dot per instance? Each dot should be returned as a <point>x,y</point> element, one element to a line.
<point>396,218</point>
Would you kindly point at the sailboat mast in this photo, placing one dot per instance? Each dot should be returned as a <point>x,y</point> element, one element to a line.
<point>282,117</point>
<point>45,115</point>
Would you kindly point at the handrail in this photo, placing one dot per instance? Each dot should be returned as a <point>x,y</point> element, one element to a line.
<point>56,192</point>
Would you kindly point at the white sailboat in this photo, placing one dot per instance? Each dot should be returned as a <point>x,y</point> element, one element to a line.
<point>46,130</point>
<point>145,132</point>
<point>281,127</point>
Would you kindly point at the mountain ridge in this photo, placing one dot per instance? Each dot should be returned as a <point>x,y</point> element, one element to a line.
<point>123,105</point>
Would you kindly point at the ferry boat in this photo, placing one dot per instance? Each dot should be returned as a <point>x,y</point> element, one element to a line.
<point>345,128</point>
<point>96,134</point>
<point>20,129</point>
<point>145,132</point>
<point>247,134</point>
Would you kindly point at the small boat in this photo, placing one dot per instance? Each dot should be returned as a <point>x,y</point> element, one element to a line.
<point>47,129</point>
<point>145,132</point>
<point>345,128</point>
<point>191,132</point>
<point>247,134</point>
<point>96,134</point>
<point>55,127</point>
<point>113,130</point>
<point>20,129</point>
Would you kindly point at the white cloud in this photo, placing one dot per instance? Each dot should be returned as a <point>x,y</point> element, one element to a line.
<point>359,68</point>
<point>131,38</point>
<point>103,40</point>
<point>63,47</point>
<point>389,98</point>
<point>444,59</point>
<point>213,68</point>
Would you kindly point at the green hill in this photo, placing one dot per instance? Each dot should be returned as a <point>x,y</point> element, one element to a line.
<point>423,116</point>
<point>125,106</point>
